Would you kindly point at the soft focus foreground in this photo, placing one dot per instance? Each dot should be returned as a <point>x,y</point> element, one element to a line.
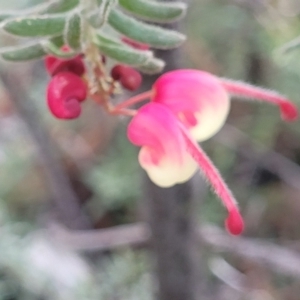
<point>87,171</point>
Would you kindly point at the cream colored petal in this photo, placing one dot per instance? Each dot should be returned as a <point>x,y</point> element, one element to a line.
<point>167,172</point>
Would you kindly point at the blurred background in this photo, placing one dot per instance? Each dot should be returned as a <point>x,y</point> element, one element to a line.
<point>65,184</point>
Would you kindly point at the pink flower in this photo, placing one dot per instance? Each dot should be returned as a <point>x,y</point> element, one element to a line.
<point>170,155</point>
<point>163,154</point>
<point>201,101</point>
<point>189,106</point>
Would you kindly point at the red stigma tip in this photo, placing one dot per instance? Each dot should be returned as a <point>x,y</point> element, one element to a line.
<point>234,223</point>
<point>289,111</point>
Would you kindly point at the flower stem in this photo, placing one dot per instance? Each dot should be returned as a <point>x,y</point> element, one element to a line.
<point>288,110</point>
<point>136,99</point>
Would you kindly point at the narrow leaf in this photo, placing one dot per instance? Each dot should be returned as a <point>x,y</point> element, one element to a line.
<point>56,6</point>
<point>60,6</point>
<point>23,52</point>
<point>152,66</point>
<point>155,11</point>
<point>121,52</point>
<point>72,34</point>
<point>33,26</point>
<point>149,34</point>
<point>99,18</point>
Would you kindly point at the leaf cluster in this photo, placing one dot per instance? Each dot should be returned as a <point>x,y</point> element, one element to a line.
<point>103,23</point>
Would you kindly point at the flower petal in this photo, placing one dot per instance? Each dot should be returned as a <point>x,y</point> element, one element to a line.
<point>197,99</point>
<point>163,154</point>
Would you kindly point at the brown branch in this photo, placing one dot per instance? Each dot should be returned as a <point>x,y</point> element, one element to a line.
<point>274,257</point>
<point>277,258</point>
<point>170,213</point>
<point>104,239</point>
<point>286,170</point>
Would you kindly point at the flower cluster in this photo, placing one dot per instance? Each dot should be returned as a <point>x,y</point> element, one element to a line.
<point>185,107</point>
<point>68,87</point>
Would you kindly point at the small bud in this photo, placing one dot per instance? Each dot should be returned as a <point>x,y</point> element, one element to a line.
<point>64,94</point>
<point>130,78</point>
<point>135,44</point>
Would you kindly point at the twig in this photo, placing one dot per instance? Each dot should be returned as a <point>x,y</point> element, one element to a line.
<point>276,258</point>
<point>286,170</point>
<point>102,240</point>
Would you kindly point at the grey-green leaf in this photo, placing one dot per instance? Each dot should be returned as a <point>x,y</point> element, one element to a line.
<point>99,17</point>
<point>35,26</point>
<point>152,66</point>
<point>72,34</point>
<point>155,11</point>
<point>121,52</point>
<point>23,52</point>
<point>152,35</point>
<point>60,6</point>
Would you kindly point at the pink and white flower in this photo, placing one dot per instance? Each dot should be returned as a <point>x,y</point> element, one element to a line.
<point>189,106</point>
<point>170,155</point>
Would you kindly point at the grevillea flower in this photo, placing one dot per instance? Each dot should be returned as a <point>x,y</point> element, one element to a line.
<point>65,93</point>
<point>170,155</point>
<point>201,101</point>
<point>189,106</point>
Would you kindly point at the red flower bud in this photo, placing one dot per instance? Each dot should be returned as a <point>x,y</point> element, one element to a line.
<point>64,94</point>
<point>130,78</point>
<point>56,65</point>
<point>135,44</point>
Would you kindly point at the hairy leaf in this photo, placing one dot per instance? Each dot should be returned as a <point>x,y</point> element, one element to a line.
<point>149,34</point>
<point>35,26</point>
<point>23,52</point>
<point>99,18</point>
<point>155,11</point>
<point>121,52</point>
<point>73,30</point>
<point>152,66</point>
<point>59,6</point>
